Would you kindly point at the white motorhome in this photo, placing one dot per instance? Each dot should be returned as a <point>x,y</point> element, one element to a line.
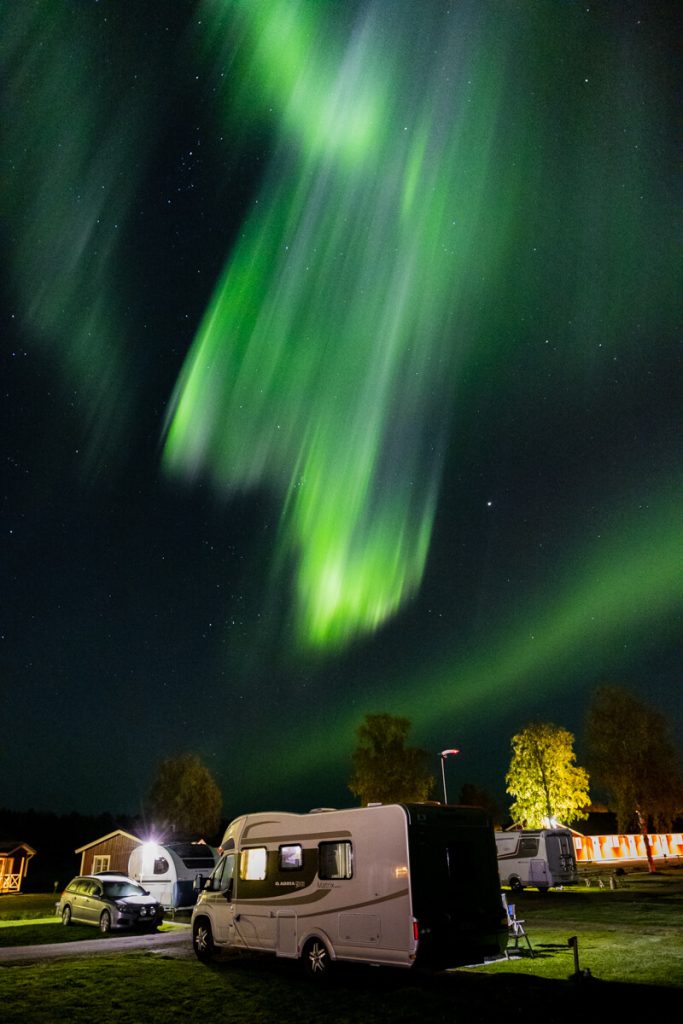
<point>387,884</point>
<point>169,871</point>
<point>541,858</point>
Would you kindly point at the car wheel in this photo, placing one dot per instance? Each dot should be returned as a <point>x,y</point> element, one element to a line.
<point>202,940</point>
<point>516,885</point>
<point>105,922</point>
<point>316,959</point>
<point>66,915</point>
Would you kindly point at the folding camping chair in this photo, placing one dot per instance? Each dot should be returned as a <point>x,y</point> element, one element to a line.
<point>516,929</point>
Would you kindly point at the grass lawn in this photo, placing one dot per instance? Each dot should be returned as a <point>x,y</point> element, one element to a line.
<point>629,938</point>
<point>20,906</point>
<point>630,934</point>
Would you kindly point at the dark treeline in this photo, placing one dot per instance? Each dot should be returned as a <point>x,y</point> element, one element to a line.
<point>55,838</point>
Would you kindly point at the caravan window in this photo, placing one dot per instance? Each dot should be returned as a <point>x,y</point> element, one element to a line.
<point>336,860</point>
<point>528,846</point>
<point>253,864</point>
<point>291,858</point>
<point>160,866</point>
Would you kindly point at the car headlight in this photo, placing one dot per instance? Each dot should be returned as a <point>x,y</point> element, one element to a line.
<point>121,906</point>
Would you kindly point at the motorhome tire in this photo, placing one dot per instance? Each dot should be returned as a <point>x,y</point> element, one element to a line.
<point>202,940</point>
<point>66,915</point>
<point>316,959</point>
<point>542,889</point>
<point>105,922</point>
<point>516,885</point>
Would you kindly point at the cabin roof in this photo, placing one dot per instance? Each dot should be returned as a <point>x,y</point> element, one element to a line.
<point>109,835</point>
<point>8,846</point>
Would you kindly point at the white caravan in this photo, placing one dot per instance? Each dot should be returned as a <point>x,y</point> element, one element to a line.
<point>542,858</point>
<point>168,872</point>
<point>386,884</point>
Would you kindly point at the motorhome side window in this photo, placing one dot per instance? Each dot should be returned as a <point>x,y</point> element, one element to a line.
<point>291,858</point>
<point>224,871</point>
<point>253,864</point>
<point>528,846</point>
<point>335,860</point>
<point>160,866</point>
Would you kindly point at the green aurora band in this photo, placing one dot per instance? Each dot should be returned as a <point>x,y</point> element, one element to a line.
<point>427,188</point>
<point>416,163</point>
<point>320,369</point>
<point>628,585</point>
<point>75,132</point>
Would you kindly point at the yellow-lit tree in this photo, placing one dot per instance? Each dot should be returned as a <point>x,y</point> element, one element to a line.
<point>544,779</point>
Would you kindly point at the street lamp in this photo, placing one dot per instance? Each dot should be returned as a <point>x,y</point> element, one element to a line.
<point>443,755</point>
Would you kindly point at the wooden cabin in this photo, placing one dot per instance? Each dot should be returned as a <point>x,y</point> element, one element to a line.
<point>108,853</point>
<point>14,858</point>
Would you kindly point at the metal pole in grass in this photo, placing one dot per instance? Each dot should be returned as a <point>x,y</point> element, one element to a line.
<point>573,943</point>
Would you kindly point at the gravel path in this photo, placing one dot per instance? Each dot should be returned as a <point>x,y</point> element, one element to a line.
<point>177,942</point>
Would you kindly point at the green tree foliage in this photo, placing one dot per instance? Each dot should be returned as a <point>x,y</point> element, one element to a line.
<point>543,777</point>
<point>632,755</point>
<point>385,770</point>
<point>184,797</point>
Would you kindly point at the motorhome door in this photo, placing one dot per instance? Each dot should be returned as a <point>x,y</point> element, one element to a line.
<point>218,895</point>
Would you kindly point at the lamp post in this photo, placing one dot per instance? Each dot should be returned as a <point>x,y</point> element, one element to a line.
<point>443,755</point>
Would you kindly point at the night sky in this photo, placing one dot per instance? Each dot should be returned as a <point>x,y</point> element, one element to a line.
<point>341,373</point>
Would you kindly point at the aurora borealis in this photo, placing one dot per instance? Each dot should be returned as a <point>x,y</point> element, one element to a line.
<point>320,367</point>
<point>341,378</point>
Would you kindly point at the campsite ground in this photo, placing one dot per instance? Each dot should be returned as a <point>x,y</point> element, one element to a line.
<point>629,939</point>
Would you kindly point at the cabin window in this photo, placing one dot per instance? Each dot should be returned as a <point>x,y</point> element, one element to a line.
<point>528,846</point>
<point>336,860</point>
<point>101,863</point>
<point>253,864</point>
<point>160,866</point>
<point>291,858</point>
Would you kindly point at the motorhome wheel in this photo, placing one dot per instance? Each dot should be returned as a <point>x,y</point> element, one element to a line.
<point>516,885</point>
<point>202,940</point>
<point>316,959</point>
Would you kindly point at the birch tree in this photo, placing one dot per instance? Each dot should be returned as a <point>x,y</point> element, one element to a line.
<point>546,783</point>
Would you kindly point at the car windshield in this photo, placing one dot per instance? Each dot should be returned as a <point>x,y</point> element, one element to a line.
<point>115,890</point>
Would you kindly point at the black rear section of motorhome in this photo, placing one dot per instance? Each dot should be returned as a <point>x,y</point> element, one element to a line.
<point>562,858</point>
<point>455,885</point>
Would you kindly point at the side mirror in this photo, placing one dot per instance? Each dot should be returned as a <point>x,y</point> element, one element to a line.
<point>198,883</point>
<point>228,891</point>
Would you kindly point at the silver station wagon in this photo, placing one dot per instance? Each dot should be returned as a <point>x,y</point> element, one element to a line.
<point>109,901</point>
